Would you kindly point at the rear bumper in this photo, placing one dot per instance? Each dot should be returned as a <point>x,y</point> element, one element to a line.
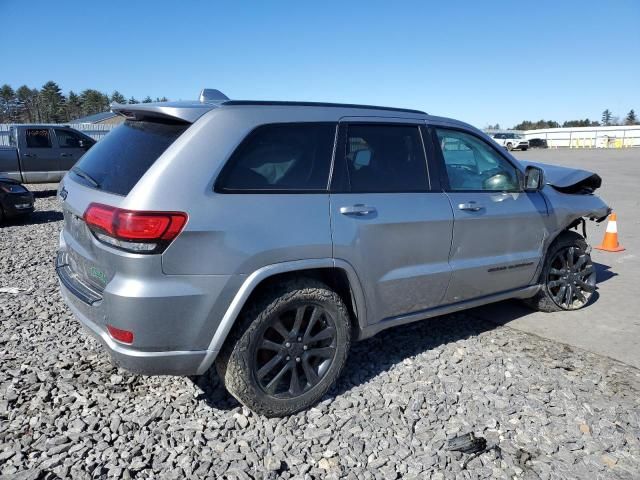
<point>170,362</point>
<point>173,317</point>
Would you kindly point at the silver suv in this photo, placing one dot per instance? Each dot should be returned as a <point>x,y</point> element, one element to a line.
<point>265,237</point>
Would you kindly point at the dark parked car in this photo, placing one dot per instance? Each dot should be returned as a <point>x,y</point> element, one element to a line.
<point>538,143</point>
<point>15,199</point>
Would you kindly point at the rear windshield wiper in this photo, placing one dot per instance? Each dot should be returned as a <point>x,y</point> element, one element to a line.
<point>86,176</point>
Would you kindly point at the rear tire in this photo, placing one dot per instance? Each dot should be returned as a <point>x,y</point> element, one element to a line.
<point>568,277</point>
<point>288,348</point>
<point>524,149</point>
<point>509,146</point>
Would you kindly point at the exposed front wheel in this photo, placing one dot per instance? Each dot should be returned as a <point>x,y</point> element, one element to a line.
<point>288,350</point>
<point>568,278</point>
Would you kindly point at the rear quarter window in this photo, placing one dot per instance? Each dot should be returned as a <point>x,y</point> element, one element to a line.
<point>281,158</point>
<point>120,159</point>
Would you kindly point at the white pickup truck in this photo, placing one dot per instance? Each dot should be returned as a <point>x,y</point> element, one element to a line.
<point>511,141</point>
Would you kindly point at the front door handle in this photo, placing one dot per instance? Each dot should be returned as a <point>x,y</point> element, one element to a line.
<point>66,154</point>
<point>470,206</point>
<point>30,155</point>
<point>358,210</point>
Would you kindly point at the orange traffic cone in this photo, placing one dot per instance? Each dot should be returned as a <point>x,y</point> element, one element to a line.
<point>610,241</point>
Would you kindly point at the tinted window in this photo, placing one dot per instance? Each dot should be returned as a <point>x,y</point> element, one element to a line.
<point>386,158</point>
<point>281,157</point>
<point>472,164</point>
<point>67,139</point>
<point>38,138</point>
<point>123,156</point>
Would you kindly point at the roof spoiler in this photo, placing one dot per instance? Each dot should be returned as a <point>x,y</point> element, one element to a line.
<point>188,111</point>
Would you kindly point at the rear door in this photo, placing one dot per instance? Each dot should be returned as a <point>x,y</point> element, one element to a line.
<point>498,230</point>
<point>389,221</point>
<point>69,148</point>
<point>39,155</point>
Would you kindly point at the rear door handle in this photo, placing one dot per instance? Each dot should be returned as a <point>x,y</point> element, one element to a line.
<point>30,155</point>
<point>470,206</point>
<point>358,210</point>
<point>66,155</point>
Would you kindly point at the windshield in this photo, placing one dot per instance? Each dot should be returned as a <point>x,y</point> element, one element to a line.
<point>117,162</point>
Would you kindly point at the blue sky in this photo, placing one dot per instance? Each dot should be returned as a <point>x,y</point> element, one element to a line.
<point>479,61</point>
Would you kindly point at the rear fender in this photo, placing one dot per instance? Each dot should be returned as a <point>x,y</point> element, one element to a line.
<point>257,277</point>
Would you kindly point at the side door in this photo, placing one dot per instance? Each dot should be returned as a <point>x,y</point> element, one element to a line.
<point>499,229</point>
<point>389,219</point>
<point>38,155</point>
<point>69,147</point>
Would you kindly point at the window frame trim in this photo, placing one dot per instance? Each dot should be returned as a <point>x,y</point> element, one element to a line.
<point>444,176</point>
<point>218,188</point>
<point>342,139</point>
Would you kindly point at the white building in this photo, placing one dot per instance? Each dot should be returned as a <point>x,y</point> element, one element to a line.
<point>588,137</point>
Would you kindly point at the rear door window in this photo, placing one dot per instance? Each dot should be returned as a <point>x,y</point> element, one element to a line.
<point>38,138</point>
<point>281,158</point>
<point>118,161</point>
<point>386,158</point>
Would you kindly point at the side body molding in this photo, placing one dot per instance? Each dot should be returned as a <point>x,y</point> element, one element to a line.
<point>230,316</point>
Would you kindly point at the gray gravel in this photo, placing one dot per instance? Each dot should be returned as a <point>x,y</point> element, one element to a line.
<point>66,412</point>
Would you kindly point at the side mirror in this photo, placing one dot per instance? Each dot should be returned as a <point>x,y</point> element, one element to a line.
<point>533,179</point>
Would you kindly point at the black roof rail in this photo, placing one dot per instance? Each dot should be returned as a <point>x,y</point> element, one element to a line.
<point>318,104</point>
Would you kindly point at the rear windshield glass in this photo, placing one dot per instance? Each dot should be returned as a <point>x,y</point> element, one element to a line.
<point>120,159</point>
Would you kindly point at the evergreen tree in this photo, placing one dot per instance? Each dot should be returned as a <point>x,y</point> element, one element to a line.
<point>147,99</point>
<point>132,101</point>
<point>52,103</point>
<point>606,117</point>
<point>74,106</point>
<point>93,102</point>
<point>117,97</point>
<point>8,104</point>
<point>631,118</point>
<point>28,101</point>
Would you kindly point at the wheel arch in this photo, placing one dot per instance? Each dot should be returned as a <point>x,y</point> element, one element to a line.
<point>337,274</point>
<point>568,229</point>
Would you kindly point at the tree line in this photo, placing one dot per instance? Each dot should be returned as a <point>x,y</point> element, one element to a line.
<point>49,105</point>
<point>608,119</point>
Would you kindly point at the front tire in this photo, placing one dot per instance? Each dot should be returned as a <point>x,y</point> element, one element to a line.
<point>568,278</point>
<point>288,349</point>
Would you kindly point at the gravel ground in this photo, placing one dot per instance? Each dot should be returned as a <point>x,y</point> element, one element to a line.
<point>66,412</point>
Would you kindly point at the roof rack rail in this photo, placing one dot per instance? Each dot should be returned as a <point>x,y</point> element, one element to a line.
<point>318,104</point>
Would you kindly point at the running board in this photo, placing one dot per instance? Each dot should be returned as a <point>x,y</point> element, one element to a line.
<point>371,330</point>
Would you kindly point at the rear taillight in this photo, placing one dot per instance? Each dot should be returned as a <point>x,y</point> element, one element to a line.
<point>134,231</point>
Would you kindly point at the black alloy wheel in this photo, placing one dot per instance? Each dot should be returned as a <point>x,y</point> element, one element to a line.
<point>295,351</point>
<point>571,279</point>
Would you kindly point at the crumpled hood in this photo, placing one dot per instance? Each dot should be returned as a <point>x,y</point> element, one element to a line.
<point>568,180</point>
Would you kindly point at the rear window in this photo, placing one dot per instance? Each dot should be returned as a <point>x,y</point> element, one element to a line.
<point>281,158</point>
<point>118,161</point>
